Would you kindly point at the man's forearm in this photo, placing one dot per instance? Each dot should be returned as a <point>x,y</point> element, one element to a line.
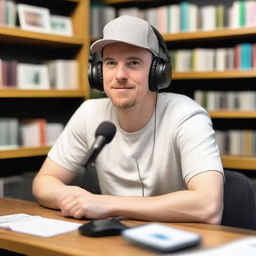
<point>47,190</point>
<point>182,206</point>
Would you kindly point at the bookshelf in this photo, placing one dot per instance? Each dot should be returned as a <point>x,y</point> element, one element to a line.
<point>26,45</point>
<point>190,80</point>
<point>239,162</point>
<point>214,74</point>
<point>24,152</point>
<point>226,114</point>
<point>18,93</point>
<point>21,36</point>
<point>211,35</point>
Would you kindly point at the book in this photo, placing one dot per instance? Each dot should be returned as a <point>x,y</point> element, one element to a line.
<point>230,55</point>
<point>245,56</point>
<point>32,76</point>
<point>9,133</point>
<point>254,56</point>
<point>246,100</point>
<point>11,10</point>
<point>250,10</point>
<point>220,59</point>
<point>220,137</point>
<point>11,73</point>
<point>242,13</point>
<point>184,9</point>
<point>152,17</point>
<point>95,24</point>
<point>174,18</point>
<point>235,142</point>
<point>209,59</point>
<point>162,13</point>
<point>208,17</point>
<point>33,132</point>
<point>235,15</point>
<point>53,130</point>
<point>193,17</point>
<point>220,22</point>
<point>183,60</point>
<point>63,74</point>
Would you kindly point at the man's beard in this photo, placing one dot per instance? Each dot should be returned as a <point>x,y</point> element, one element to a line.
<point>124,104</point>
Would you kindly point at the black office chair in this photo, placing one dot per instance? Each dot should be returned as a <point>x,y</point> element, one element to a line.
<point>239,201</point>
<point>88,179</point>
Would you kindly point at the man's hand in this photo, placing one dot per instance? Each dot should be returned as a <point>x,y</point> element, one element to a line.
<point>79,203</point>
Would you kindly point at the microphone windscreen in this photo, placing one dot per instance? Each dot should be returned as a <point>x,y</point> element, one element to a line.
<point>106,129</point>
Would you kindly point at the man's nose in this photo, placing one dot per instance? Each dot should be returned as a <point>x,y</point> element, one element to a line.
<point>121,73</point>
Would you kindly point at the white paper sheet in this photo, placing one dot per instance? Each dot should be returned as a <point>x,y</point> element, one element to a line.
<point>36,225</point>
<point>240,247</point>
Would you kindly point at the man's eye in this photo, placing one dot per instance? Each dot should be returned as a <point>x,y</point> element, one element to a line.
<point>110,63</point>
<point>134,63</point>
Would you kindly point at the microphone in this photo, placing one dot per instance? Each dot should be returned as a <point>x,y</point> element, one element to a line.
<point>103,135</point>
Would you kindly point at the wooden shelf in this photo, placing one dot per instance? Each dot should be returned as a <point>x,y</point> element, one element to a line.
<point>18,93</point>
<point>220,34</point>
<point>232,114</point>
<point>24,152</point>
<point>214,74</point>
<point>239,162</point>
<point>17,36</point>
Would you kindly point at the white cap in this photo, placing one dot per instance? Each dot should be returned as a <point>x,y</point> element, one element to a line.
<point>130,30</point>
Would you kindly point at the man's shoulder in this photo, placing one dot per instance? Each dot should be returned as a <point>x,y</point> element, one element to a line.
<point>177,101</point>
<point>91,108</point>
<point>177,108</point>
<point>94,104</point>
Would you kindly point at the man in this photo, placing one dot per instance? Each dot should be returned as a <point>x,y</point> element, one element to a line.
<point>163,163</point>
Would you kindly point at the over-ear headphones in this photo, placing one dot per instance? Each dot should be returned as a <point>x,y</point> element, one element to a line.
<point>159,74</point>
<point>160,71</point>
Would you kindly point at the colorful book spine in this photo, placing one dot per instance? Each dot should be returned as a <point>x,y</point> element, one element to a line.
<point>242,13</point>
<point>246,56</point>
<point>184,7</point>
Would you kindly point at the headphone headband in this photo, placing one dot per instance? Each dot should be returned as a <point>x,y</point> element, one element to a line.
<point>162,44</point>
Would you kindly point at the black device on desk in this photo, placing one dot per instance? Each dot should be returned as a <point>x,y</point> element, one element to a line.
<point>102,227</point>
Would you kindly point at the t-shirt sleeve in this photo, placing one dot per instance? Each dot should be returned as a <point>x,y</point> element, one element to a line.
<point>195,139</point>
<point>70,148</point>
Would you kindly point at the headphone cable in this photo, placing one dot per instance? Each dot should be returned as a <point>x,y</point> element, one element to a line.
<point>153,148</point>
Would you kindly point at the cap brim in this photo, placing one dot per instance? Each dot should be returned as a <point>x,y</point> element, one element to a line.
<point>101,43</point>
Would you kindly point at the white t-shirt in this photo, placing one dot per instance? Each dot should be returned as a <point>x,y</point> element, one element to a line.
<point>183,146</point>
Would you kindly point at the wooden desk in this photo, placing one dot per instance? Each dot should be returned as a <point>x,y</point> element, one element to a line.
<point>73,243</point>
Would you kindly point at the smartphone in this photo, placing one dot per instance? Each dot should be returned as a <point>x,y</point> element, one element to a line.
<point>161,237</point>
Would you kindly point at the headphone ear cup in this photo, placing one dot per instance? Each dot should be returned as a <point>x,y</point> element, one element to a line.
<point>163,74</point>
<point>99,77</point>
<point>153,76</point>
<point>95,74</point>
<point>160,74</point>
<point>161,68</point>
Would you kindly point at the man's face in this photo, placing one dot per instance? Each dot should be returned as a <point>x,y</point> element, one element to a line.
<point>125,74</point>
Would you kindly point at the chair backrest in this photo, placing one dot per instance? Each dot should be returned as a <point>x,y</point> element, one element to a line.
<point>88,179</point>
<point>239,201</point>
